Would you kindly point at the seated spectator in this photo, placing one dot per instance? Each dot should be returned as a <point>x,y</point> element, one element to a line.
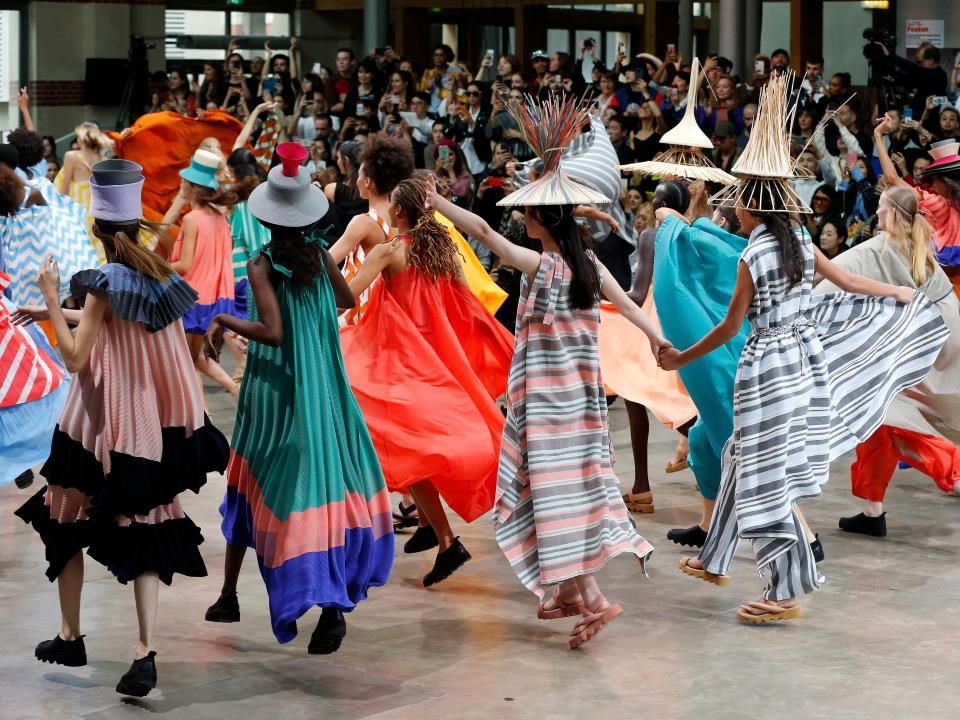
<point>650,128</point>
<point>818,173</point>
<point>440,80</point>
<point>636,89</point>
<point>676,103</point>
<point>812,88</point>
<point>450,164</point>
<point>617,131</point>
<point>607,87</point>
<point>398,93</point>
<point>837,92</point>
<point>53,167</point>
<point>824,204</point>
<point>179,99</point>
<point>832,239</point>
<point>50,149</point>
<point>211,92</point>
<point>727,150</point>
<point>748,114</point>
<point>468,128</point>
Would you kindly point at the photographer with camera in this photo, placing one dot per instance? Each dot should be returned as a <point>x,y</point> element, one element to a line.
<point>925,74</point>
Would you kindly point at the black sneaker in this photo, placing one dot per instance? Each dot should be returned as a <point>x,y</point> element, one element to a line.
<point>860,523</point>
<point>71,653</point>
<point>447,563</point>
<point>817,549</point>
<point>141,678</point>
<point>225,610</point>
<point>425,538</point>
<point>24,479</point>
<point>329,633</point>
<point>694,536</point>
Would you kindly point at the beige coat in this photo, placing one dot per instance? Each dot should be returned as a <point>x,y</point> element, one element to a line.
<point>933,406</point>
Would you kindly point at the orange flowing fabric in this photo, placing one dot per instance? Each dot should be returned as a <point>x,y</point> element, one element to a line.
<point>629,369</point>
<point>426,362</point>
<point>163,144</point>
<point>877,458</point>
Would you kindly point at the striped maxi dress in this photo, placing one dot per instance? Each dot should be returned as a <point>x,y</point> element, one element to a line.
<point>558,512</point>
<point>815,378</point>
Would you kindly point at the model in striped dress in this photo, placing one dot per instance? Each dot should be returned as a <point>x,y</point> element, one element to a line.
<point>815,378</point>
<point>559,515</point>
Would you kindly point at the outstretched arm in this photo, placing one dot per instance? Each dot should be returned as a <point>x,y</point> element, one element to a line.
<point>268,330</point>
<point>848,282</point>
<point>244,135</point>
<point>722,333</point>
<point>341,291</point>
<point>524,260</point>
<point>74,347</point>
<point>631,311</point>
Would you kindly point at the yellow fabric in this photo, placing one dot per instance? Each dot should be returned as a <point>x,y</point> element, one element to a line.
<point>490,295</point>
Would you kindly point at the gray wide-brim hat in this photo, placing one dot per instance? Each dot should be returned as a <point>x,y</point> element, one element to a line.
<point>288,198</point>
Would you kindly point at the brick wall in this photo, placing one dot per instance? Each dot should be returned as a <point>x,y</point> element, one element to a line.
<point>52,93</point>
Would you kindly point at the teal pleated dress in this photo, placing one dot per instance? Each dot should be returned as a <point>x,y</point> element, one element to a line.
<point>304,486</point>
<point>694,273</point>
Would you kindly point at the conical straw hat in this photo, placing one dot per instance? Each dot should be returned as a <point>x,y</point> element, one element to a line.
<point>687,132</point>
<point>765,168</point>
<point>549,126</point>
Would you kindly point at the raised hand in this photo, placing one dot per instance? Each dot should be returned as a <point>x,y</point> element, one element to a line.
<point>49,281</point>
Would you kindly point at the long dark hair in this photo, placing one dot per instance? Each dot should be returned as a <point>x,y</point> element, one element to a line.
<point>778,224</point>
<point>287,248</point>
<point>563,228</point>
<point>247,172</point>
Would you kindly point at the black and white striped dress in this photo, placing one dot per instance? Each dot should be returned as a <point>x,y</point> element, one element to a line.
<point>815,379</point>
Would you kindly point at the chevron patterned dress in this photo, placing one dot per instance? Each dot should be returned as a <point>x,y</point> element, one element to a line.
<point>816,377</point>
<point>34,234</point>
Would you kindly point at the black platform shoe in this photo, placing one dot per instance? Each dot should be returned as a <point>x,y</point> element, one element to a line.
<point>817,549</point>
<point>71,653</point>
<point>141,678</point>
<point>225,610</point>
<point>329,633</point>
<point>865,525</point>
<point>694,536</point>
<point>425,538</point>
<point>24,479</point>
<point>447,563</point>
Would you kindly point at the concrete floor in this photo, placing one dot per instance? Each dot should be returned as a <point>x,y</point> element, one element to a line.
<point>879,641</point>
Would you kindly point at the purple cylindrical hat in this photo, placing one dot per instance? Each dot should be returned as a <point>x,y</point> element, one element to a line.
<point>115,189</point>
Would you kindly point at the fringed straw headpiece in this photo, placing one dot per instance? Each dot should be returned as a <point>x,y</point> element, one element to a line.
<point>765,168</point>
<point>684,158</point>
<point>548,127</point>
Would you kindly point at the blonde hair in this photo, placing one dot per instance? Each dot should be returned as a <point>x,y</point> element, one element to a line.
<point>909,232</point>
<point>126,244</point>
<point>91,136</point>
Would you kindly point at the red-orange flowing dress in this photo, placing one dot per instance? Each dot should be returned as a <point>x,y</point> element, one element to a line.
<point>426,363</point>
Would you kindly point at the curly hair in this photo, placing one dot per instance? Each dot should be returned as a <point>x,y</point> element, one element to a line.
<point>11,192</point>
<point>288,248</point>
<point>28,144</point>
<point>431,250</point>
<point>386,160</point>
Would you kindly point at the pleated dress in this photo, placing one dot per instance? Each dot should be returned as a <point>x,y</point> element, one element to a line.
<point>248,237</point>
<point>132,437</point>
<point>211,274</point>
<point>694,273</point>
<point>426,363</point>
<point>304,488</point>
<point>33,389</point>
<point>559,512</point>
<point>816,377</point>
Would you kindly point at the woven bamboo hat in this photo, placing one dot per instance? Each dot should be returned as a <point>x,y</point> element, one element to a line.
<point>765,168</point>
<point>684,158</point>
<point>548,127</point>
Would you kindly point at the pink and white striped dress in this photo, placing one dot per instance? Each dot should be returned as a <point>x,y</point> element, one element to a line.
<point>132,437</point>
<point>558,512</point>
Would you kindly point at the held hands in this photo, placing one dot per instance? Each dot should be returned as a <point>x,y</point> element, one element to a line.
<point>213,340</point>
<point>669,359</point>
<point>659,345</point>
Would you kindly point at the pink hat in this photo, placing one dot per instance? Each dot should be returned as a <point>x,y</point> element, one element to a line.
<point>946,156</point>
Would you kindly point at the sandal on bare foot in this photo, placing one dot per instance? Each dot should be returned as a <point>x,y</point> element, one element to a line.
<point>590,625</point>
<point>673,467</point>
<point>761,611</point>
<point>562,608</point>
<point>685,568</point>
<point>639,502</point>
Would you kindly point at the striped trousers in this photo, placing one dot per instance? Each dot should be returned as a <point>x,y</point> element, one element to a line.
<point>785,556</point>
